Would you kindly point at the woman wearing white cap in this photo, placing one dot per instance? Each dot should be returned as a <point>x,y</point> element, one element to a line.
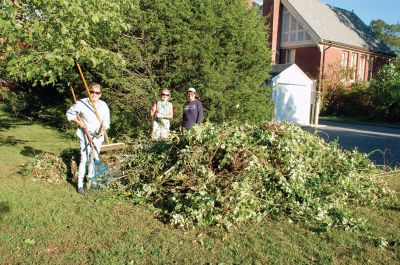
<point>192,110</point>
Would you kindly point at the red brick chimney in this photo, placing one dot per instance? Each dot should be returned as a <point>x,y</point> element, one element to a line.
<point>272,9</point>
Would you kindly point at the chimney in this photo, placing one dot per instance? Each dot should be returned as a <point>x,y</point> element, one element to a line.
<point>249,3</point>
<point>272,9</point>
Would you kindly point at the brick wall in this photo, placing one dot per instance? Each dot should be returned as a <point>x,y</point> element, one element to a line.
<point>308,59</point>
<point>334,55</point>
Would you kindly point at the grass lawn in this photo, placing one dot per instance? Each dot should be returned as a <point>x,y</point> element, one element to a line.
<point>48,223</point>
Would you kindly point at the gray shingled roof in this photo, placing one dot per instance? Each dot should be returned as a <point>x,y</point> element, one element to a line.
<point>276,69</point>
<point>338,25</point>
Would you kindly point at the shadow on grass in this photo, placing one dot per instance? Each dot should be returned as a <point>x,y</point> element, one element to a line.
<point>4,209</point>
<point>30,151</point>
<point>10,141</point>
<point>7,123</point>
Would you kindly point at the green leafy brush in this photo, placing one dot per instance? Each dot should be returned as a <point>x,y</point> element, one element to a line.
<point>226,175</point>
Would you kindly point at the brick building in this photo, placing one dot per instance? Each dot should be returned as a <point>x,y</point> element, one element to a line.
<point>316,36</point>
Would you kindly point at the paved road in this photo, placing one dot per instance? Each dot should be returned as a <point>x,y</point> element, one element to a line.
<point>381,142</point>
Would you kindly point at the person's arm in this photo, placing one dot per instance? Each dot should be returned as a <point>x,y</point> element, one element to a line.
<point>80,122</point>
<point>73,115</point>
<point>199,112</point>
<point>105,119</point>
<point>106,116</point>
<point>154,106</point>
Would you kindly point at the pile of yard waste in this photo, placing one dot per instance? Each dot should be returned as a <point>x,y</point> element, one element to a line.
<point>228,174</point>
<point>46,167</point>
<point>53,168</point>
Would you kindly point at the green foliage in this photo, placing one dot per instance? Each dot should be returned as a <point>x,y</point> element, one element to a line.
<point>43,104</point>
<point>225,175</point>
<point>42,39</point>
<point>385,94</point>
<point>218,47</point>
<point>136,48</point>
<point>389,33</point>
<point>15,102</point>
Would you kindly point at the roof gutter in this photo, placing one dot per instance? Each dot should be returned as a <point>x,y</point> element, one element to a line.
<point>346,46</point>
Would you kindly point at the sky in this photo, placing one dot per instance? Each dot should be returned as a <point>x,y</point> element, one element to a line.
<point>367,10</point>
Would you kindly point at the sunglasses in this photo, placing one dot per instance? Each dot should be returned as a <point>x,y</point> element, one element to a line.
<point>95,92</point>
<point>165,95</point>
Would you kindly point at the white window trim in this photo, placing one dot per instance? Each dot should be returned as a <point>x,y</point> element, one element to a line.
<point>344,64</point>
<point>291,19</point>
<point>361,69</point>
<point>353,66</point>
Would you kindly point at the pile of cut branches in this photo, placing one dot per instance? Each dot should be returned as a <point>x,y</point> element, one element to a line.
<point>46,167</point>
<point>226,175</point>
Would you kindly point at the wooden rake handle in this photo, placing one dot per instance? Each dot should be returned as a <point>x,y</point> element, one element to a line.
<point>91,100</point>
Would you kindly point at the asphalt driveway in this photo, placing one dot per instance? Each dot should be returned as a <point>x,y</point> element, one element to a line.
<point>381,142</point>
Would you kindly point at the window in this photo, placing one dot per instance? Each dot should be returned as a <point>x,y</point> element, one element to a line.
<point>370,67</point>
<point>345,56</point>
<point>300,35</point>
<point>288,56</point>
<point>361,68</point>
<point>353,66</point>
<point>292,31</point>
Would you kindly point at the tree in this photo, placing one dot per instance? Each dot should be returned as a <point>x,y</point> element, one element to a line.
<point>219,47</point>
<point>135,48</point>
<point>385,89</point>
<point>389,33</point>
<point>43,39</point>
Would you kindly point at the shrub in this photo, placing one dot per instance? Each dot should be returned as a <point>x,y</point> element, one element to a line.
<point>46,104</point>
<point>353,101</point>
<point>385,94</point>
<point>15,102</point>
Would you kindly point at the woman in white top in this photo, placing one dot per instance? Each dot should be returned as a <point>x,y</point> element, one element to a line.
<point>161,113</point>
<point>89,121</point>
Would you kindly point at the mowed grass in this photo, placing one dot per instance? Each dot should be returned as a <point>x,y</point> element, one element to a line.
<point>44,223</point>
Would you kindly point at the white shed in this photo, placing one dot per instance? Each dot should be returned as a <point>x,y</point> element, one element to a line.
<point>293,94</point>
